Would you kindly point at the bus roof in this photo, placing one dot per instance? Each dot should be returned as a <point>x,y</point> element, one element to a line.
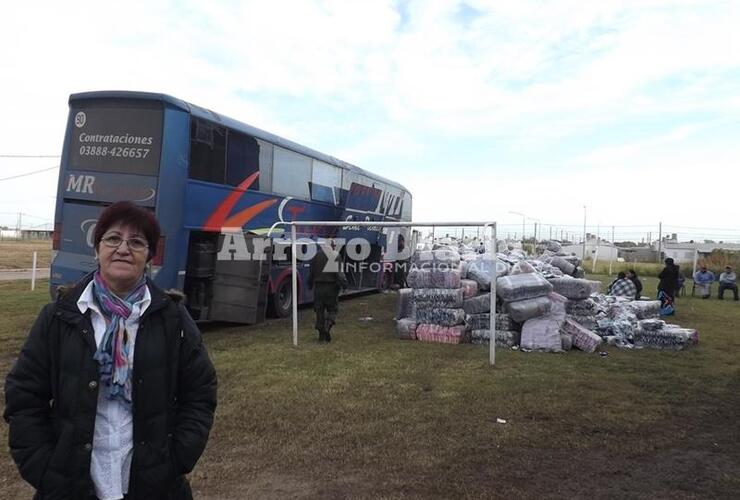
<point>209,115</point>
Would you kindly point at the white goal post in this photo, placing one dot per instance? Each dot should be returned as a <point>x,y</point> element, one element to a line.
<point>294,261</point>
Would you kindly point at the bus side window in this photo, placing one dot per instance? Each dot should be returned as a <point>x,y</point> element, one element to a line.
<point>207,151</point>
<point>325,181</point>
<point>242,159</point>
<point>291,173</point>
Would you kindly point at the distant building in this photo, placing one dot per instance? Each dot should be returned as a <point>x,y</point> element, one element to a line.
<point>639,254</point>
<point>595,248</point>
<point>25,234</point>
<point>684,252</point>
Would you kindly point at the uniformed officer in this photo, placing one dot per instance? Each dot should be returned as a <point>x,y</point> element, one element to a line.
<point>327,278</point>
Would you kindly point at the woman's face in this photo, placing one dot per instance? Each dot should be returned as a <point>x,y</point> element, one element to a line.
<point>122,266</point>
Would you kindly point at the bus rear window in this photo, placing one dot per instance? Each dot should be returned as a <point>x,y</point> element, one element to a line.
<point>116,139</point>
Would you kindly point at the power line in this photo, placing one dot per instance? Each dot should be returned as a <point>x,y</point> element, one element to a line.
<point>29,173</point>
<point>29,156</point>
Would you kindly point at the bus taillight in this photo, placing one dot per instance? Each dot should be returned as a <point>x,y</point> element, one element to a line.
<point>158,259</point>
<point>56,237</point>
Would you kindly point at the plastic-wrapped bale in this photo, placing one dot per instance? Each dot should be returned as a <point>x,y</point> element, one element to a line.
<point>406,329</point>
<point>583,339</point>
<point>522,286</point>
<point>558,304</point>
<point>434,278</point>
<point>691,332</point>
<point>483,321</point>
<point>419,278</point>
<point>574,288</point>
<point>522,267</point>
<point>469,287</point>
<point>523,310</point>
<point>542,334</point>
<point>549,271</point>
<point>463,267</point>
<point>438,297</point>
<point>585,307</point>
<point>504,322</point>
<point>562,264</point>
<point>422,258</point>
<point>446,278</point>
<point>403,309</point>
<point>573,259</point>
<point>553,246</point>
<point>448,256</point>
<point>566,341</point>
<point>644,309</point>
<point>587,322</point>
<point>652,324</point>
<point>478,304</point>
<point>504,338</point>
<point>666,338</point>
<point>480,270</point>
<point>440,316</point>
<point>442,334</point>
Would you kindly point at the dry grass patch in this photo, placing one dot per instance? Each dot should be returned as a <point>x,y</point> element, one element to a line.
<point>369,416</point>
<point>18,254</point>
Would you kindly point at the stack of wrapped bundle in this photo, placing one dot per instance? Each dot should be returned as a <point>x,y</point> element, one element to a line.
<point>525,295</point>
<point>437,296</point>
<point>542,333</point>
<point>480,329</point>
<point>656,334</point>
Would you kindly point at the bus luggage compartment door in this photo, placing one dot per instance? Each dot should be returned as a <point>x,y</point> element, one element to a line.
<point>240,286</point>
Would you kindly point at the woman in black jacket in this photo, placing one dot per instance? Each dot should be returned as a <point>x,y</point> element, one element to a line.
<point>113,392</point>
<point>668,285</point>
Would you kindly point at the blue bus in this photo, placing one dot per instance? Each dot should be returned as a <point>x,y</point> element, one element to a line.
<point>200,172</point>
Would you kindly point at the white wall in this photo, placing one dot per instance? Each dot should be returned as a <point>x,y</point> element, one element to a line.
<point>606,252</point>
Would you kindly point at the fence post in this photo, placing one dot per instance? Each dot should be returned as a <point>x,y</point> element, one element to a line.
<point>33,272</point>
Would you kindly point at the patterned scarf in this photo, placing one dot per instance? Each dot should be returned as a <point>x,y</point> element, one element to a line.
<point>113,352</point>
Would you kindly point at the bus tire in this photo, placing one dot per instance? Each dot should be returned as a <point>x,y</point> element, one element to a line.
<point>280,302</point>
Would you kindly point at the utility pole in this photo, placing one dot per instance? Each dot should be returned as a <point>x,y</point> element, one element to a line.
<point>660,239</point>
<point>612,253</point>
<point>550,231</point>
<point>584,232</point>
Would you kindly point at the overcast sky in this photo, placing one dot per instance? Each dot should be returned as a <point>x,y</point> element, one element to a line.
<point>479,107</point>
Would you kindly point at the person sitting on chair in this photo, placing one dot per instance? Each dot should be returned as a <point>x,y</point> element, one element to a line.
<point>702,281</point>
<point>727,281</point>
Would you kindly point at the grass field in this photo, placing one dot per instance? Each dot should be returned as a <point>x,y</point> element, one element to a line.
<point>18,254</point>
<point>369,416</point>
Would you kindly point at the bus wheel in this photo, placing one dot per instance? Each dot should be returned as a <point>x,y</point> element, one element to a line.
<point>281,301</point>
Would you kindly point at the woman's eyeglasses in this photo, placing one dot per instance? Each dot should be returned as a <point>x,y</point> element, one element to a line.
<point>134,244</point>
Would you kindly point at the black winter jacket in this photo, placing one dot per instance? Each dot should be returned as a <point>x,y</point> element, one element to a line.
<point>668,279</point>
<point>51,398</point>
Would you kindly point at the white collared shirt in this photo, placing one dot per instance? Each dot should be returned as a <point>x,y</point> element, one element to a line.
<point>113,449</point>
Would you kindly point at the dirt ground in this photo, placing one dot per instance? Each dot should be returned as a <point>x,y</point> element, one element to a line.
<point>373,417</point>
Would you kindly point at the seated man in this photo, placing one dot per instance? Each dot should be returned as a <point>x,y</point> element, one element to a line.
<point>727,281</point>
<point>702,281</point>
<point>623,287</point>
